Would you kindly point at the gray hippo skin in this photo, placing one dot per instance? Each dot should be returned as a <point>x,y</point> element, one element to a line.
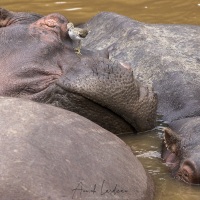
<point>167,57</point>
<point>38,62</point>
<point>48,153</point>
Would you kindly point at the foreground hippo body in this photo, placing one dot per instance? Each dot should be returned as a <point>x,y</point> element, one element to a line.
<point>38,62</point>
<point>168,57</point>
<point>51,153</point>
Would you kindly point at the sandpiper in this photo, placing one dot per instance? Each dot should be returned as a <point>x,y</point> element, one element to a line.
<point>76,34</point>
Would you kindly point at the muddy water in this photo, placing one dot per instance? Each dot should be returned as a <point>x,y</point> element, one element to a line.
<point>153,11</point>
<point>146,146</point>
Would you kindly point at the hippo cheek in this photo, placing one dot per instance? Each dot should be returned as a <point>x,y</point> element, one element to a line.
<point>188,173</point>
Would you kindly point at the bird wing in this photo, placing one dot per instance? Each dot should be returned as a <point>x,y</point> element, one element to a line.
<point>83,33</point>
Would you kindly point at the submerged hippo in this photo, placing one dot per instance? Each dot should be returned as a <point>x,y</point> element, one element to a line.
<point>38,62</point>
<point>181,149</point>
<point>50,153</point>
<point>167,57</point>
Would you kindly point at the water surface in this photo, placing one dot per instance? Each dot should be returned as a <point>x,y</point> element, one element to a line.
<point>152,11</point>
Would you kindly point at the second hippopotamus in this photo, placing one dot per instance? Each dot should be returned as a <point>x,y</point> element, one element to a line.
<point>168,58</point>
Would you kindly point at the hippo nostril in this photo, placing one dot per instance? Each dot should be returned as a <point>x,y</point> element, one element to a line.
<point>185,174</point>
<point>188,172</point>
<point>178,176</point>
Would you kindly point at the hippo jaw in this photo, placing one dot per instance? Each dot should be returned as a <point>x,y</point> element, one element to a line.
<point>112,87</point>
<point>183,166</point>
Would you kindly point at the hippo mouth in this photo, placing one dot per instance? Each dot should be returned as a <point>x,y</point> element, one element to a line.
<point>173,161</point>
<point>92,110</point>
<point>108,94</point>
<point>169,157</point>
<point>170,152</point>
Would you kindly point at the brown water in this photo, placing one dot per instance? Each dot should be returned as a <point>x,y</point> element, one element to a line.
<point>153,11</point>
<point>146,146</point>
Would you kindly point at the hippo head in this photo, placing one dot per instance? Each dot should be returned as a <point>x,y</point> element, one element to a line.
<point>181,149</point>
<point>38,62</point>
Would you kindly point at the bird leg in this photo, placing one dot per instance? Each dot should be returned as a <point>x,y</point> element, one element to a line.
<point>78,49</point>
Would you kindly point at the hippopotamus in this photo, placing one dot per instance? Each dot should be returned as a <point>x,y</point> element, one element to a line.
<point>38,62</point>
<point>168,58</point>
<point>51,153</point>
<point>164,56</point>
<point>181,149</point>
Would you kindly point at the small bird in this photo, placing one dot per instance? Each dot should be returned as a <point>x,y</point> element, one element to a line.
<point>76,34</point>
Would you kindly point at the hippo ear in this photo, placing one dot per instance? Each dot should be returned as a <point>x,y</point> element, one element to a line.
<point>171,140</point>
<point>8,17</point>
<point>5,15</point>
<point>3,12</point>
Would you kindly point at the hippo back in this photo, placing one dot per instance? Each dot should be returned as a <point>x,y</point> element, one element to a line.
<point>50,153</point>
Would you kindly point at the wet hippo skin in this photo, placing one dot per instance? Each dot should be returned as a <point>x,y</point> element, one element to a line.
<point>51,153</point>
<point>166,57</point>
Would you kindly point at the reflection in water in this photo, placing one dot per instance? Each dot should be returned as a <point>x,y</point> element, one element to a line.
<point>147,145</point>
